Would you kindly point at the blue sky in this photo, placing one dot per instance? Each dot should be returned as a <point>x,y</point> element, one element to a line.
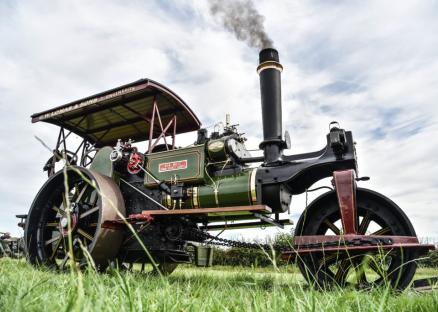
<point>371,65</point>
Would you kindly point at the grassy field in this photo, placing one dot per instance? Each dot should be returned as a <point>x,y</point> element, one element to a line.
<point>24,288</point>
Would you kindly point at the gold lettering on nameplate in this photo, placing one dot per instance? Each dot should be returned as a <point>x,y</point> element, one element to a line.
<point>172,166</point>
<point>90,102</point>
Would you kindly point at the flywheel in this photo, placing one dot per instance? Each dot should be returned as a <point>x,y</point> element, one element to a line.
<point>65,220</point>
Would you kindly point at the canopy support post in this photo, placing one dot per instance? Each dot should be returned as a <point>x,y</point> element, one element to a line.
<point>163,134</point>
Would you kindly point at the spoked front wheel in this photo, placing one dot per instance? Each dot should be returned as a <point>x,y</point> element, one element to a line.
<point>64,223</point>
<point>377,216</point>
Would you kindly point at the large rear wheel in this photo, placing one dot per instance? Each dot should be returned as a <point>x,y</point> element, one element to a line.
<point>65,222</point>
<point>377,216</point>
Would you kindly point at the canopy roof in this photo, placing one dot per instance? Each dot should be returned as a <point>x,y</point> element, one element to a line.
<point>122,113</point>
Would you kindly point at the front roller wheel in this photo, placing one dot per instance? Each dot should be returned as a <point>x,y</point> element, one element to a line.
<point>378,215</point>
<point>77,212</point>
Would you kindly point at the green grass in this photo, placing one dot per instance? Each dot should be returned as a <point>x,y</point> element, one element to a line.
<point>24,288</point>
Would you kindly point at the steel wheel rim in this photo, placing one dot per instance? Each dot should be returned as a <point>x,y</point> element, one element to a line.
<point>47,231</point>
<point>339,269</point>
<point>78,221</point>
<point>389,219</point>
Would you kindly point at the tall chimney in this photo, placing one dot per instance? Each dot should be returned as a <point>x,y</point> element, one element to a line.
<point>269,70</point>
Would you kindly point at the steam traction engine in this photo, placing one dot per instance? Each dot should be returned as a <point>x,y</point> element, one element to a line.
<point>120,204</point>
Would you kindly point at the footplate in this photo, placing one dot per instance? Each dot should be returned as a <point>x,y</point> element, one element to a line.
<point>212,214</point>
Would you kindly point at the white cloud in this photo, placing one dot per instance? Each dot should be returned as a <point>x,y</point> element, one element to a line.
<point>370,65</point>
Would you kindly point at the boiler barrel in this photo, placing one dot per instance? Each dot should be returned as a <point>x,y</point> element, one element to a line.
<point>232,190</point>
<point>225,191</point>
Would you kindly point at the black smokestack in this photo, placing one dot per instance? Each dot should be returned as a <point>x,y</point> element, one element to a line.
<point>269,70</point>
<point>241,18</point>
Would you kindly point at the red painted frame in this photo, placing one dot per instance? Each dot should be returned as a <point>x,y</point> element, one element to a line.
<point>397,242</point>
<point>345,185</point>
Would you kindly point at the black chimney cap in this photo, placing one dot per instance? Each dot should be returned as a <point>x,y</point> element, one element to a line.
<point>268,54</point>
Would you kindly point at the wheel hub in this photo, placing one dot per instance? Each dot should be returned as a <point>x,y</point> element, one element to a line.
<point>63,224</point>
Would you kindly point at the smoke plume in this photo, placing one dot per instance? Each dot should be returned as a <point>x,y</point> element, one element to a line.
<point>241,18</point>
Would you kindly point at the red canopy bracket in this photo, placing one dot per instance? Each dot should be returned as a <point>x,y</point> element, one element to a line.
<point>345,186</point>
<point>164,130</point>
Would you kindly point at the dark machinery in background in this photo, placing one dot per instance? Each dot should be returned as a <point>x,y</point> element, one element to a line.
<point>12,247</point>
<point>171,197</point>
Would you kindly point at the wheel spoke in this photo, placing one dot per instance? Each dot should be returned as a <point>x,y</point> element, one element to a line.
<point>365,223</point>
<point>81,194</point>
<point>88,212</point>
<point>55,249</point>
<point>326,261</point>
<point>64,201</point>
<point>76,190</point>
<point>373,266</point>
<point>342,271</point>
<point>382,231</point>
<point>85,234</point>
<point>52,224</point>
<point>361,278</point>
<point>64,261</point>
<point>332,226</point>
<point>52,240</point>
<point>58,210</point>
<point>67,253</point>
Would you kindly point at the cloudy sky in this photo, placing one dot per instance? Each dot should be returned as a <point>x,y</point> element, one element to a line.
<point>371,65</point>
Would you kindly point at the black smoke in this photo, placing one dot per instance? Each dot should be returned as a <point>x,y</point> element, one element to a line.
<point>241,18</point>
